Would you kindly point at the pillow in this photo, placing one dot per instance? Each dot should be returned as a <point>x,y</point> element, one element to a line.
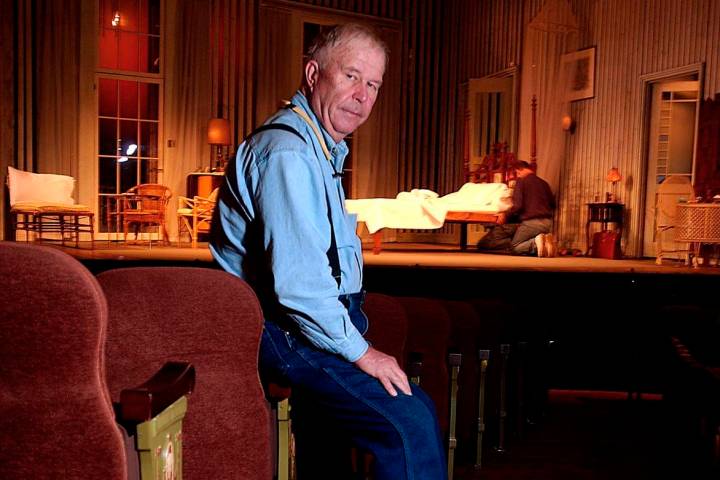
<point>40,187</point>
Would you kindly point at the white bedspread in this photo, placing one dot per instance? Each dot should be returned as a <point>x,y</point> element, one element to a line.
<point>425,209</point>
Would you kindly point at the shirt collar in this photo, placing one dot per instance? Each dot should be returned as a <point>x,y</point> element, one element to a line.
<point>337,149</point>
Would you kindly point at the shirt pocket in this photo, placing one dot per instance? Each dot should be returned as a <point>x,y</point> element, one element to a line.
<point>349,253</point>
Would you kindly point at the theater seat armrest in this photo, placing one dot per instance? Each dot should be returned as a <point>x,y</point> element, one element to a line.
<point>414,364</point>
<point>145,401</point>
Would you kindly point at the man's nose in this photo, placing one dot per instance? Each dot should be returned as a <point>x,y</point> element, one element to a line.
<point>361,93</point>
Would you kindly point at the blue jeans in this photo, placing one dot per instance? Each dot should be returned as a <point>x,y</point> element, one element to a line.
<point>335,406</point>
<point>523,242</point>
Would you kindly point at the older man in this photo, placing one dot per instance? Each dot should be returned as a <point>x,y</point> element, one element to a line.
<point>281,225</point>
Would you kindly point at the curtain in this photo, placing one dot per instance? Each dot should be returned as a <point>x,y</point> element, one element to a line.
<point>56,37</point>
<point>550,34</point>
<point>209,74</point>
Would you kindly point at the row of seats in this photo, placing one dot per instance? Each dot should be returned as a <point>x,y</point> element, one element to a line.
<point>72,343</point>
<point>693,384</point>
<point>463,354</point>
<point>75,345</point>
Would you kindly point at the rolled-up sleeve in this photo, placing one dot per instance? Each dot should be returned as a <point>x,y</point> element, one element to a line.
<point>291,204</point>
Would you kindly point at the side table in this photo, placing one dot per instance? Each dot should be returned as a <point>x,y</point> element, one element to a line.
<point>604,213</point>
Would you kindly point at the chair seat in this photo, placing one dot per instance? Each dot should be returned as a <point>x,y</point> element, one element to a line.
<point>37,207</point>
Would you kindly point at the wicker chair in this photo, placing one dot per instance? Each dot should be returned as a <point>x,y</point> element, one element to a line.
<point>145,205</point>
<point>673,189</point>
<point>194,215</point>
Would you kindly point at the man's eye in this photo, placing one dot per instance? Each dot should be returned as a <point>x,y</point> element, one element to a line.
<point>351,76</point>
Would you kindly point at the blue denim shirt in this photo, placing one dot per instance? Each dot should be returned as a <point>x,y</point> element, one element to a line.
<point>272,229</point>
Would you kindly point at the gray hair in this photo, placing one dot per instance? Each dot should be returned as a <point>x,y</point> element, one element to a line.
<point>340,35</point>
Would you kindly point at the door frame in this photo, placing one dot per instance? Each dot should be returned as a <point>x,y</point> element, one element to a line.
<point>646,82</point>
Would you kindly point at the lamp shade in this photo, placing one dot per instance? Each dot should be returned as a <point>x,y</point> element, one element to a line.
<point>218,131</point>
<point>614,175</point>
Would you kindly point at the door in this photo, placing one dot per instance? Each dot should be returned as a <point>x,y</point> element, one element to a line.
<point>129,87</point>
<point>670,146</point>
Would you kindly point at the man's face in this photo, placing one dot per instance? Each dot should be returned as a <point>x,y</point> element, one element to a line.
<point>343,93</point>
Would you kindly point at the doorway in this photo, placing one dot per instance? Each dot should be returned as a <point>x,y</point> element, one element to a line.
<point>669,143</point>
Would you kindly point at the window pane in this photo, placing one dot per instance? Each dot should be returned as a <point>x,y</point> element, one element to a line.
<point>107,136</point>
<point>106,175</point>
<point>128,15</point>
<point>149,100</point>
<point>108,49</point>
<point>149,171</point>
<point>153,8</point>
<point>128,175</point>
<point>148,139</point>
<point>150,54</point>
<point>107,97</point>
<point>143,53</point>
<point>128,51</point>
<point>128,135</point>
<point>128,99</point>
<point>106,13</point>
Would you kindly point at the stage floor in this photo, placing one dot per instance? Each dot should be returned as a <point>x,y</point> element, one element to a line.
<point>408,255</point>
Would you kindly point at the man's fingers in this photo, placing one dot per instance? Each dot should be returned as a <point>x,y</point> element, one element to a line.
<point>388,386</point>
<point>404,385</point>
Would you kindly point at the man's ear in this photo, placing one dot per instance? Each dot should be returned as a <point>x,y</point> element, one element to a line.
<point>312,70</point>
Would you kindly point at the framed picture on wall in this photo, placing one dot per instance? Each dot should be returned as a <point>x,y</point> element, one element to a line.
<point>578,71</point>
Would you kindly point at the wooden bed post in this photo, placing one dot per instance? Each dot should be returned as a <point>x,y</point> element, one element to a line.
<point>533,133</point>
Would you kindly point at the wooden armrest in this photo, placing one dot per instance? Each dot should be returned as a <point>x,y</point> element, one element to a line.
<point>454,359</point>
<point>414,365</point>
<point>276,392</point>
<point>145,401</point>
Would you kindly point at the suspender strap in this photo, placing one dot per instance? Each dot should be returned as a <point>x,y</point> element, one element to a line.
<point>332,252</point>
<point>276,126</point>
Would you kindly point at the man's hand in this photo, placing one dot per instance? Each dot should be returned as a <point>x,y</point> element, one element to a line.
<point>386,369</point>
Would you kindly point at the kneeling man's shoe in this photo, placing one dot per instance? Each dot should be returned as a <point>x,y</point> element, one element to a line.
<point>540,245</point>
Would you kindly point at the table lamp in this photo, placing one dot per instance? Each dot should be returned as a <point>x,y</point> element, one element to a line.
<point>218,134</point>
<point>613,176</point>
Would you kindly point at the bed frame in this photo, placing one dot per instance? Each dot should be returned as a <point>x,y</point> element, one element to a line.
<point>499,166</point>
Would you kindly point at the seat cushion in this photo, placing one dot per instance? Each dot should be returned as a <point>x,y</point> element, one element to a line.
<point>40,187</point>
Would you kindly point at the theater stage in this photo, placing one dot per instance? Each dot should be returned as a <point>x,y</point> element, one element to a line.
<point>605,319</point>
<point>413,255</point>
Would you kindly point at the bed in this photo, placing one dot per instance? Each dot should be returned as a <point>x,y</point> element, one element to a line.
<point>473,203</point>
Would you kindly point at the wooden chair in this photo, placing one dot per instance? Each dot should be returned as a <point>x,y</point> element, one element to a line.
<point>194,215</point>
<point>145,205</point>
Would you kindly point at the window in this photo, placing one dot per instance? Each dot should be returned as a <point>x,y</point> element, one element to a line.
<point>130,35</point>
<point>129,94</point>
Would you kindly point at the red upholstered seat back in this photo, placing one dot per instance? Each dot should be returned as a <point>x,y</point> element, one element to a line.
<point>466,330</point>
<point>429,334</point>
<point>213,320</point>
<point>56,419</point>
<point>388,325</point>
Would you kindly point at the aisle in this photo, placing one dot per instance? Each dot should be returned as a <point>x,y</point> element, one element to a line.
<point>591,436</point>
